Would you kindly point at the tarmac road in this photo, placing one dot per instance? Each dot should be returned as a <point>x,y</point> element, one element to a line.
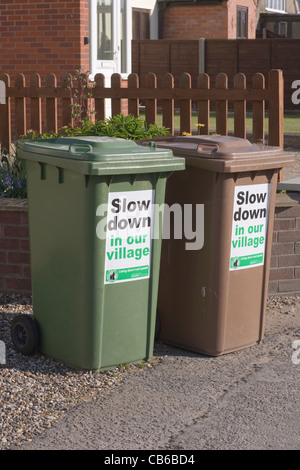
<point>244,400</point>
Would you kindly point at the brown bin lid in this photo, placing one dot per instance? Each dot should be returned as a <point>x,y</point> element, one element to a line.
<point>225,153</point>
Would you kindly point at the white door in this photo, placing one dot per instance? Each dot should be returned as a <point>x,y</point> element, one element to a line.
<point>110,38</point>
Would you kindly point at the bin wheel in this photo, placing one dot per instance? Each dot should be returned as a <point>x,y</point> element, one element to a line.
<point>24,334</point>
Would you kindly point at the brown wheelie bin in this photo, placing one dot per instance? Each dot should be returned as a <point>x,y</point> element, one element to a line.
<point>212,298</point>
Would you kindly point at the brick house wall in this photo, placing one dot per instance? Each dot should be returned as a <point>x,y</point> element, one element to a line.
<point>193,21</point>
<point>43,37</point>
<point>231,17</point>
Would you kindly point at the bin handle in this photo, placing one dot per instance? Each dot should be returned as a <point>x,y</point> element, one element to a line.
<point>80,148</point>
<point>207,148</point>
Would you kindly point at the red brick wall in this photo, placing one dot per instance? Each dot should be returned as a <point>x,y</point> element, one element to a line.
<point>15,262</point>
<point>285,260</point>
<point>194,21</point>
<point>14,247</point>
<point>206,21</point>
<point>43,37</point>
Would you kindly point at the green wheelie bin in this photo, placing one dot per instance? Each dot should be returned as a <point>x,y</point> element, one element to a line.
<point>94,260</point>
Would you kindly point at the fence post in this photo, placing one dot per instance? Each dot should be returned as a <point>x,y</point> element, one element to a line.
<point>276,110</point>
<point>51,104</point>
<point>186,105</point>
<point>36,111</point>
<point>20,107</point>
<point>276,93</point>
<point>151,105</point>
<point>204,105</point>
<point>168,105</point>
<point>5,117</point>
<point>240,107</point>
<point>99,102</point>
<point>133,103</point>
<point>116,81</point>
<point>258,109</point>
<point>222,106</point>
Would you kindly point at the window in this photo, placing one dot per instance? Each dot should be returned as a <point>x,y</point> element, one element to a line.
<point>242,22</point>
<point>110,33</point>
<point>282,28</point>
<point>140,24</point>
<point>275,5</point>
<point>104,30</point>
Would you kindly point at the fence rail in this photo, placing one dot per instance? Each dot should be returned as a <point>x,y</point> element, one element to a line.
<point>31,103</point>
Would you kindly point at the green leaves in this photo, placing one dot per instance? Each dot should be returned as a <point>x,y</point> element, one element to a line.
<point>12,178</point>
<point>128,127</point>
<point>12,174</point>
<point>122,126</point>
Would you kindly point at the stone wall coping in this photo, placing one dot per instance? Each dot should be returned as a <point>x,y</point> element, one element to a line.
<point>7,204</point>
<point>283,199</point>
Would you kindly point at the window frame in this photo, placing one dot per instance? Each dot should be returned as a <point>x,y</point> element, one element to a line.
<point>115,64</point>
<point>240,11</point>
<point>271,5</point>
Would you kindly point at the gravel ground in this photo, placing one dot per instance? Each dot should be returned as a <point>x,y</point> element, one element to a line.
<point>37,391</point>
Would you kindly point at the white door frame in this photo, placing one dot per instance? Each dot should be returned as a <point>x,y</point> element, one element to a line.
<point>108,67</point>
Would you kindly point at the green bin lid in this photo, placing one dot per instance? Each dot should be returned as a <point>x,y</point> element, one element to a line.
<point>93,155</point>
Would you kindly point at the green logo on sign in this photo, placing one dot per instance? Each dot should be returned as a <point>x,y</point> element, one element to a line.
<point>245,261</point>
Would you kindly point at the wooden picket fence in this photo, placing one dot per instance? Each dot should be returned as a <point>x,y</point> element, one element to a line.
<point>27,103</point>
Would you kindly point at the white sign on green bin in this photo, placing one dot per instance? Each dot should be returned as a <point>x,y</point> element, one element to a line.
<point>249,226</point>
<point>128,236</point>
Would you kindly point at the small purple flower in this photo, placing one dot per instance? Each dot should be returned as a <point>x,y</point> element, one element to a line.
<point>12,180</point>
